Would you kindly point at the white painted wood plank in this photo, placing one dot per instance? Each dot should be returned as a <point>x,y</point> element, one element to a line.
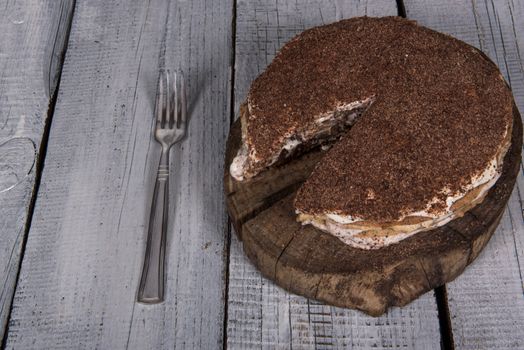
<point>85,248</point>
<point>31,50</point>
<point>487,301</point>
<point>260,314</point>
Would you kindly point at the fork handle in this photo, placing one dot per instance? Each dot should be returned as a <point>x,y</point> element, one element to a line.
<point>151,290</point>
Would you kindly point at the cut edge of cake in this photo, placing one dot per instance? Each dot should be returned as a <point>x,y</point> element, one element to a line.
<point>326,128</point>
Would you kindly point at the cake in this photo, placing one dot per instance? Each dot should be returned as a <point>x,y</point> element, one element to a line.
<point>419,122</point>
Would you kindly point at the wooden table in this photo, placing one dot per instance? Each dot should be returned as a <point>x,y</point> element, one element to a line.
<point>77,165</point>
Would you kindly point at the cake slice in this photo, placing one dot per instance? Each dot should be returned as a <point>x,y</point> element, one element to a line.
<point>255,154</point>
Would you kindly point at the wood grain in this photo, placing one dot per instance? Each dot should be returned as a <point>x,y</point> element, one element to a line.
<point>260,314</point>
<point>84,252</point>
<point>486,303</point>
<point>31,51</point>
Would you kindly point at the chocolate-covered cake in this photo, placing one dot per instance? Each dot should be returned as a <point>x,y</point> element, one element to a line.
<point>431,122</point>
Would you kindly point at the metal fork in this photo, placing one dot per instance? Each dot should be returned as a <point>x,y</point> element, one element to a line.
<point>170,128</point>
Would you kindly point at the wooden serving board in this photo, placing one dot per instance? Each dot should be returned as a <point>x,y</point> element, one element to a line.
<point>309,262</point>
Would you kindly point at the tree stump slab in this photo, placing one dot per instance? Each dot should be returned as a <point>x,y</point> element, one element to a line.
<point>314,264</point>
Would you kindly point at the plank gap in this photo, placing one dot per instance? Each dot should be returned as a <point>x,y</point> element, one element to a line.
<point>446,331</point>
<point>401,8</point>
<point>39,167</point>
<point>227,249</point>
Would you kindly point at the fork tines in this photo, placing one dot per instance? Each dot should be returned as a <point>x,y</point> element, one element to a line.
<point>171,101</point>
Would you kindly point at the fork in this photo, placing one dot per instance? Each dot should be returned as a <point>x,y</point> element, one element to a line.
<point>170,128</point>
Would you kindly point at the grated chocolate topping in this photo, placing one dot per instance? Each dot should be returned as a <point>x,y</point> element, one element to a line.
<point>440,114</point>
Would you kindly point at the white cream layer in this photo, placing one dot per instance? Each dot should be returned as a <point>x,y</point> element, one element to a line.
<point>292,141</point>
<point>236,169</point>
